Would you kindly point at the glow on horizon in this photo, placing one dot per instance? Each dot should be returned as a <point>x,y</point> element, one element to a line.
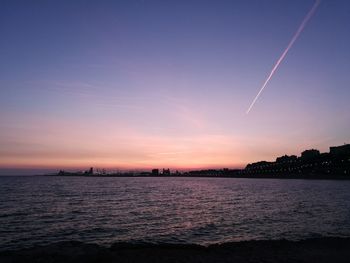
<point>48,143</point>
<point>122,149</point>
<point>109,146</point>
<point>294,38</point>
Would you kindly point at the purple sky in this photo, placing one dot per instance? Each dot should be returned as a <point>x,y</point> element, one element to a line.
<point>141,84</point>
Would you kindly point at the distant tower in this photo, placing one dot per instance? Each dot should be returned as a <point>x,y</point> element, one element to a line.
<point>91,170</point>
<point>166,171</point>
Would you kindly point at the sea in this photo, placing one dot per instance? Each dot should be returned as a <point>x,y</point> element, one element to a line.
<point>40,210</point>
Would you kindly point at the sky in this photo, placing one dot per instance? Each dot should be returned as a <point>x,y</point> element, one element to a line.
<point>152,84</point>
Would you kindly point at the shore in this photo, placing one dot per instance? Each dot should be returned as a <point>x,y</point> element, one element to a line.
<point>294,176</point>
<point>309,250</point>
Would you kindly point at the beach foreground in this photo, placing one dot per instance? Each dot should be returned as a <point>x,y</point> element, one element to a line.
<point>310,250</point>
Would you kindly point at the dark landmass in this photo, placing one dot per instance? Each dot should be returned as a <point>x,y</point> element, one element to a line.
<point>311,250</point>
<point>254,176</point>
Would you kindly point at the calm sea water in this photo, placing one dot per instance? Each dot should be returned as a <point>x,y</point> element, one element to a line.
<point>42,210</point>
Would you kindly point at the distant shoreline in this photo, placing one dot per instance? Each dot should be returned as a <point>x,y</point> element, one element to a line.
<point>326,249</point>
<point>306,177</point>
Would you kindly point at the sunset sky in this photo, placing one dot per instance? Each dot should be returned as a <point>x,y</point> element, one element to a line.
<point>142,84</point>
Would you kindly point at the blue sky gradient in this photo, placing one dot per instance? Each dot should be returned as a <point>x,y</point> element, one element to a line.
<point>140,84</point>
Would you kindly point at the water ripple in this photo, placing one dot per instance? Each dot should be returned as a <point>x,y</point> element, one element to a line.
<point>40,210</point>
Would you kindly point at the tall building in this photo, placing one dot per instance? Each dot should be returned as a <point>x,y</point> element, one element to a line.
<point>155,172</point>
<point>286,159</point>
<point>309,154</point>
<point>166,171</point>
<point>340,150</point>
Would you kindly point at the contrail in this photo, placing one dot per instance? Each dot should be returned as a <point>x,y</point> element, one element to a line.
<point>294,38</point>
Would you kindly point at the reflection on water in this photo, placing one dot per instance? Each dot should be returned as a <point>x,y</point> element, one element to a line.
<point>41,210</point>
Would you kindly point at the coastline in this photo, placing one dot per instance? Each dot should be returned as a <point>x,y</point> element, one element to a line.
<point>326,249</point>
<point>296,176</point>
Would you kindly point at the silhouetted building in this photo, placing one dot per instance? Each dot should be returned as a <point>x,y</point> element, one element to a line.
<point>286,159</point>
<point>166,171</point>
<point>155,172</point>
<point>309,154</point>
<point>90,171</point>
<point>225,171</point>
<point>340,150</point>
<point>260,164</point>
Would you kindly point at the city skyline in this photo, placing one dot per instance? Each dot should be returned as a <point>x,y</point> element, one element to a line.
<point>143,84</point>
<point>311,163</point>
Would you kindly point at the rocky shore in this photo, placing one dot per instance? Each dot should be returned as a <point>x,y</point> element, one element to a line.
<point>310,250</point>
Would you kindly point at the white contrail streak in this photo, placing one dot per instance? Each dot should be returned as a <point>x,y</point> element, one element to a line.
<point>294,38</point>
